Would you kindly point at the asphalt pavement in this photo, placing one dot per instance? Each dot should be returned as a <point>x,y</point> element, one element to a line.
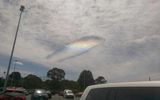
<point>56,97</point>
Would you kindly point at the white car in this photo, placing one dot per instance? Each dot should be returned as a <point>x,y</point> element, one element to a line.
<point>123,91</point>
<point>68,94</point>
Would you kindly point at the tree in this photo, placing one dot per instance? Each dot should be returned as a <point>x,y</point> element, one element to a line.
<point>85,79</point>
<point>52,85</point>
<point>69,84</point>
<point>15,75</point>
<point>56,74</point>
<point>1,82</point>
<point>15,78</point>
<point>32,82</point>
<point>100,80</point>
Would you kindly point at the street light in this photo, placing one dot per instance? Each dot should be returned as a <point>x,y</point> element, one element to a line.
<point>11,56</point>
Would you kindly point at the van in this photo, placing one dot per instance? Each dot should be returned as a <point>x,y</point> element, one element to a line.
<point>123,91</point>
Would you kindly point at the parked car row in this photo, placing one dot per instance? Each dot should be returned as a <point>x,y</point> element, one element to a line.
<point>19,93</point>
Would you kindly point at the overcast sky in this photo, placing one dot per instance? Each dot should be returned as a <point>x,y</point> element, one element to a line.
<point>118,39</point>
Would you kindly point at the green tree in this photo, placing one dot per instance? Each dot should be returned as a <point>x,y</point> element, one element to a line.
<point>15,79</point>
<point>32,82</point>
<point>100,80</point>
<point>85,79</point>
<point>52,85</point>
<point>69,84</point>
<point>56,74</point>
<point>1,82</point>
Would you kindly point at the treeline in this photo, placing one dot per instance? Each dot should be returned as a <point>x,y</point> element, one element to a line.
<point>56,81</point>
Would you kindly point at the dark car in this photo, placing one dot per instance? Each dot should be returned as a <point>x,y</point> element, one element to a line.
<point>13,94</point>
<point>60,93</point>
<point>39,94</point>
<point>49,94</point>
<point>79,94</point>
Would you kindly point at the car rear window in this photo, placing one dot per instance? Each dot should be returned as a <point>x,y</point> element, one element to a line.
<point>97,94</point>
<point>15,93</point>
<point>138,94</point>
<point>124,94</point>
<point>39,92</point>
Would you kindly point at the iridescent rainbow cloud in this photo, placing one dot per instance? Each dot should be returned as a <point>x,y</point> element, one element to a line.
<point>76,48</point>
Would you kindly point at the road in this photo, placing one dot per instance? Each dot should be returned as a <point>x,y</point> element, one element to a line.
<point>55,97</point>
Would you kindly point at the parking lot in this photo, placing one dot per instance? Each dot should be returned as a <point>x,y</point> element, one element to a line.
<point>56,97</point>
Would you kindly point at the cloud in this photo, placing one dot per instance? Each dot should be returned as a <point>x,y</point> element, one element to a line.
<point>130,29</point>
<point>19,63</point>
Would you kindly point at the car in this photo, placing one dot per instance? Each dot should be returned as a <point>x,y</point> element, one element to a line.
<point>13,94</point>
<point>68,94</point>
<point>30,91</point>
<point>39,94</point>
<point>54,92</point>
<point>79,94</point>
<point>60,93</point>
<point>49,94</point>
<point>123,91</point>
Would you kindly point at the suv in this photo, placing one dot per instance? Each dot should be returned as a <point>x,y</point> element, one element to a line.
<point>68,94</point>
<point>123,91</point>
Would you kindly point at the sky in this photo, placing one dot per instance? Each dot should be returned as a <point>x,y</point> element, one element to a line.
<point>117,39</point>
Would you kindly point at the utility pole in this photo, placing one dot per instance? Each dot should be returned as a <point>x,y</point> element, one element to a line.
<point>84,81</point>
<point>14,67</point>
<point>11,56</point>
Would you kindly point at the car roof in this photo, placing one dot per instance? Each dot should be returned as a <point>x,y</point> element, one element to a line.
<point>67,90</point>
<point>119,85</point>
<point>15,89</point>
<point>128,84</point>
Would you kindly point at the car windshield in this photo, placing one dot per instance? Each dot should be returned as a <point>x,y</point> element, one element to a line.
<point>69,92</point>
<point>59,45</point>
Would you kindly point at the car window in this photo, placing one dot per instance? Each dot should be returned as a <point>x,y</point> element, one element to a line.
<point>124,94</point>
<point>69,91</point>
<point>138,94</point>
<point>98,94</point>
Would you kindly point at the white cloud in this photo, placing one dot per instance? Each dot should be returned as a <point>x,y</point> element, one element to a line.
<point>130,28</point>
